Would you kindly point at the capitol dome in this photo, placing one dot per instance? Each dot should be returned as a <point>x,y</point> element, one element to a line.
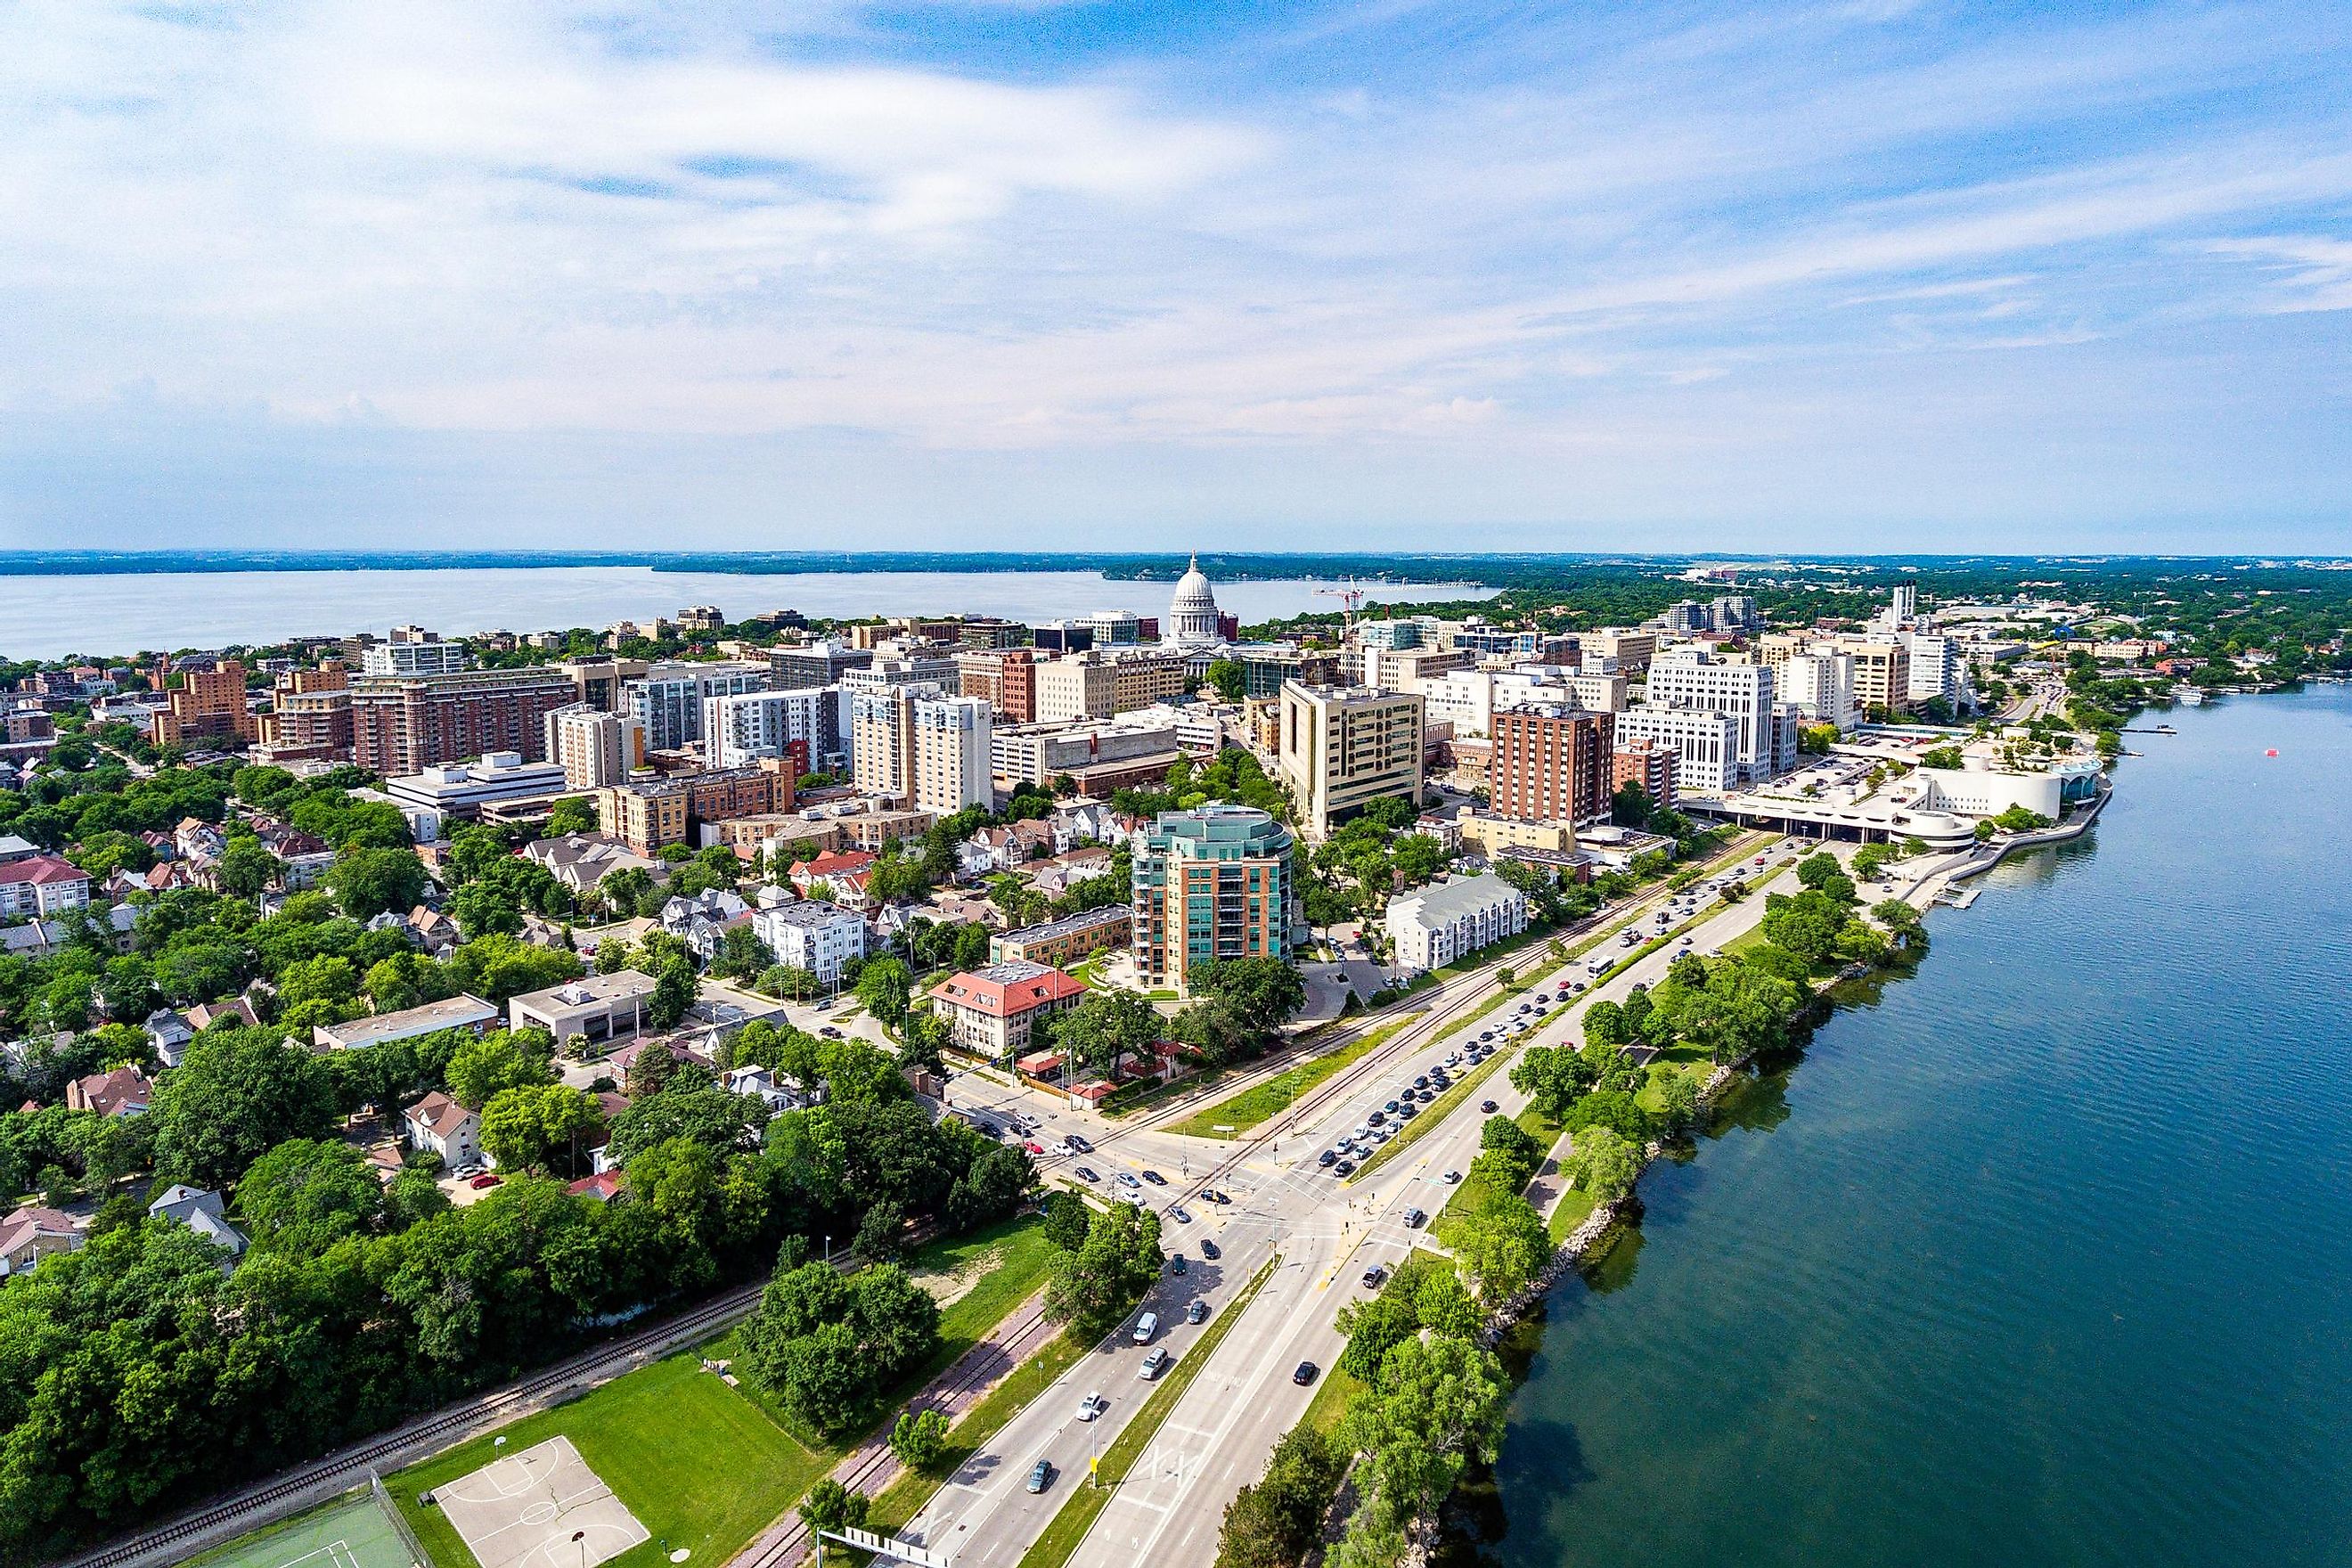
<point>1192,614</point>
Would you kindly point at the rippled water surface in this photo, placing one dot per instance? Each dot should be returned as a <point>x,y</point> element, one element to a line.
<point>2043,1256</point>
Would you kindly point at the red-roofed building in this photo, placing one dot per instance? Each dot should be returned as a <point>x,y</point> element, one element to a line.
<point>604,1186</point>
<point>122,1092</point>
<point>992,1010</point>
<point>42,884</point>
<point>842,870</point>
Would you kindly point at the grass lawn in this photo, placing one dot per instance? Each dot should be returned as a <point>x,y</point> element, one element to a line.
<point>1576,1206</point>
<point>1078,1516</point>
<point>1232,1117</point>
<point>697,1463</point>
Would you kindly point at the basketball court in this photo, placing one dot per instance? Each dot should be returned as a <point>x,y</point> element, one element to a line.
<point>543,1508</point>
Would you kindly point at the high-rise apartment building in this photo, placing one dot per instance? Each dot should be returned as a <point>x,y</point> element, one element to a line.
<point>1882,675</point>
<point>951,755</point>
<point>1003,679</point>
<point>592,747</point>
<point>747,726</point>
<point>668,698</point>
<point>1647,764</point>
<point>603,682</point>
<point>425,655</point>
<point>1342,747</point>
<point>1551,765</point>
<point>1209,884</point>
<point>207,708</point>
<point>882,741</point>
<point>1820,682</point>
<point>406,724</point>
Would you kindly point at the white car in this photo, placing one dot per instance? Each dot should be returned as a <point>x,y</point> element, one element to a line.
<point>1092,1405</point>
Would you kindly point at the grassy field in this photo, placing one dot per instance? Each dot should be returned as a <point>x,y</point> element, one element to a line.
<point>1232,1117</point>
<point>1069,1529</point>
<point>659,1438</point>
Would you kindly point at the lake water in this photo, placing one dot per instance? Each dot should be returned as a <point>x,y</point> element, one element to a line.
<point>49,617</point>
<point>2044,1258</point>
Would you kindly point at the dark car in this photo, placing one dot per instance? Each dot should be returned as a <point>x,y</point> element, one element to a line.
<point>1304,1373</point>
<point>1176,1264</point>
<point>1208,1247</point>
<point>1415,1219</point>
<point>1198,1313</point>
<point>1041,1475</point>
<point>1085,1172</point>
<point>1421,1082</point>
<point>1211,1196</point>
<point>1155,1178</point>
<point>1080,1144</point>
<point>1344,1168</point>
<point>1487,1106</point>
<point>1327,1159</point>
<point>1376,1275</point>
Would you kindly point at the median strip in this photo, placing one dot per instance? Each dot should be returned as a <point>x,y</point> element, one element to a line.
<point>1069,1529</point>
<point>1230,1119</point>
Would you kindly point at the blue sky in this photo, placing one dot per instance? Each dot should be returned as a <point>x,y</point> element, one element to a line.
<point>1871,275</point>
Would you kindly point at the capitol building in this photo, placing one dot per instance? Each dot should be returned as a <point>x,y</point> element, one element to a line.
<point>1192,614</point>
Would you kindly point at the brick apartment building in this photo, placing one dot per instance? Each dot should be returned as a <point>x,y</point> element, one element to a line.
<point>1647,763</point>
<point>208,710</point>
<point>1552,764</point>
<point>406,724</point>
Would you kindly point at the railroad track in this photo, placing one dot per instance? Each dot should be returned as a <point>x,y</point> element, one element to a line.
<point>348,1468</point>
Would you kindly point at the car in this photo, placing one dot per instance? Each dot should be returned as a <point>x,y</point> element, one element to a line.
<point>1041,1475</point>
<point>1092,1405</point>
<point>1378,1117</point>
<point>487,1179</point>
<point>1409,1113</point>
<point>1327,1159</point>
<point>1062,1147</point>
<point>1146,1327</point>
<point>1080,1144</point>
<point>1451,1178</point>
<point>1303,1373</point>
<point>1687,941</point>
<point>830,1033</point>
<point>1487,1107</point>
<point>1213,1196</point>
<point>1208,1247</point>
<point>1415,1219</point>
<point>1155,1178</point>
<point>1178,1212</point>
<point>1344,1168</point>
<point>1176,1264</point>
<point>1034,1147</point>
<point>1421,1082</point>
<point>1153,1364</point>
<point>1198,1313</point>
<point>1392,1105</point>
<point>1084,1173</point>
<point>1362,1132</point>
<point>1127,1179</point>
<point>1376,1275</point>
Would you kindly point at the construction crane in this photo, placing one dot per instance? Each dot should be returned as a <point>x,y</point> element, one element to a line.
<point>1350,597</point>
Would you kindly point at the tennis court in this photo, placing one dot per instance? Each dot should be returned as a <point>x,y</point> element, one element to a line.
<point>356,1535</point>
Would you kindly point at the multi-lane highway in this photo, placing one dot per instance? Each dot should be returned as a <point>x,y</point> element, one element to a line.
<point>1328,1231</point>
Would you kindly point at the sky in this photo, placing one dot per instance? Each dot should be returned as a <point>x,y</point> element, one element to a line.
<point>1865,275</point>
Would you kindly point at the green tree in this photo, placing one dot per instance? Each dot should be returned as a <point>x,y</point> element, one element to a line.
<point>306,1193</point>
<point>1273,1523</point>
<point>919,1438</point>
<point>1093,1288</point>
<point>539,1127</point>
<point>1229,677</point>
<point>246,869</point>
<point>885,986</point>
<point>1604,1163</point>
<point>370,883</point>
<point>1104,1026</point>
<point>498,1061</point>
<point>832,1506</point>
<point>237,1092</point>
<point>1068,1219</point>
<point>572,814</point>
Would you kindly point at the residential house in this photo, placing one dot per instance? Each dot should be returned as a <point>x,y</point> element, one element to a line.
<point>202,1211</point>
<point>446,1127</point>
<point>701,920</point>
<point>125,1091</point>
<point>168,1032</point>
<point>30,1235</point>
<point>604,1186</point>
<point>235,1010</point>
<point>581,860</point>
<point>844,872</point>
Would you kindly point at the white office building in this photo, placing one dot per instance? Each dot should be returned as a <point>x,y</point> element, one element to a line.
<point>1938,668</point>
<point>427,657</point>
<point>745,727</point>
<point>1694,677</point>
<point>809,934</point>
<point>1438,925</point>
<point>1820,685</point>
<point>1706,744</point>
